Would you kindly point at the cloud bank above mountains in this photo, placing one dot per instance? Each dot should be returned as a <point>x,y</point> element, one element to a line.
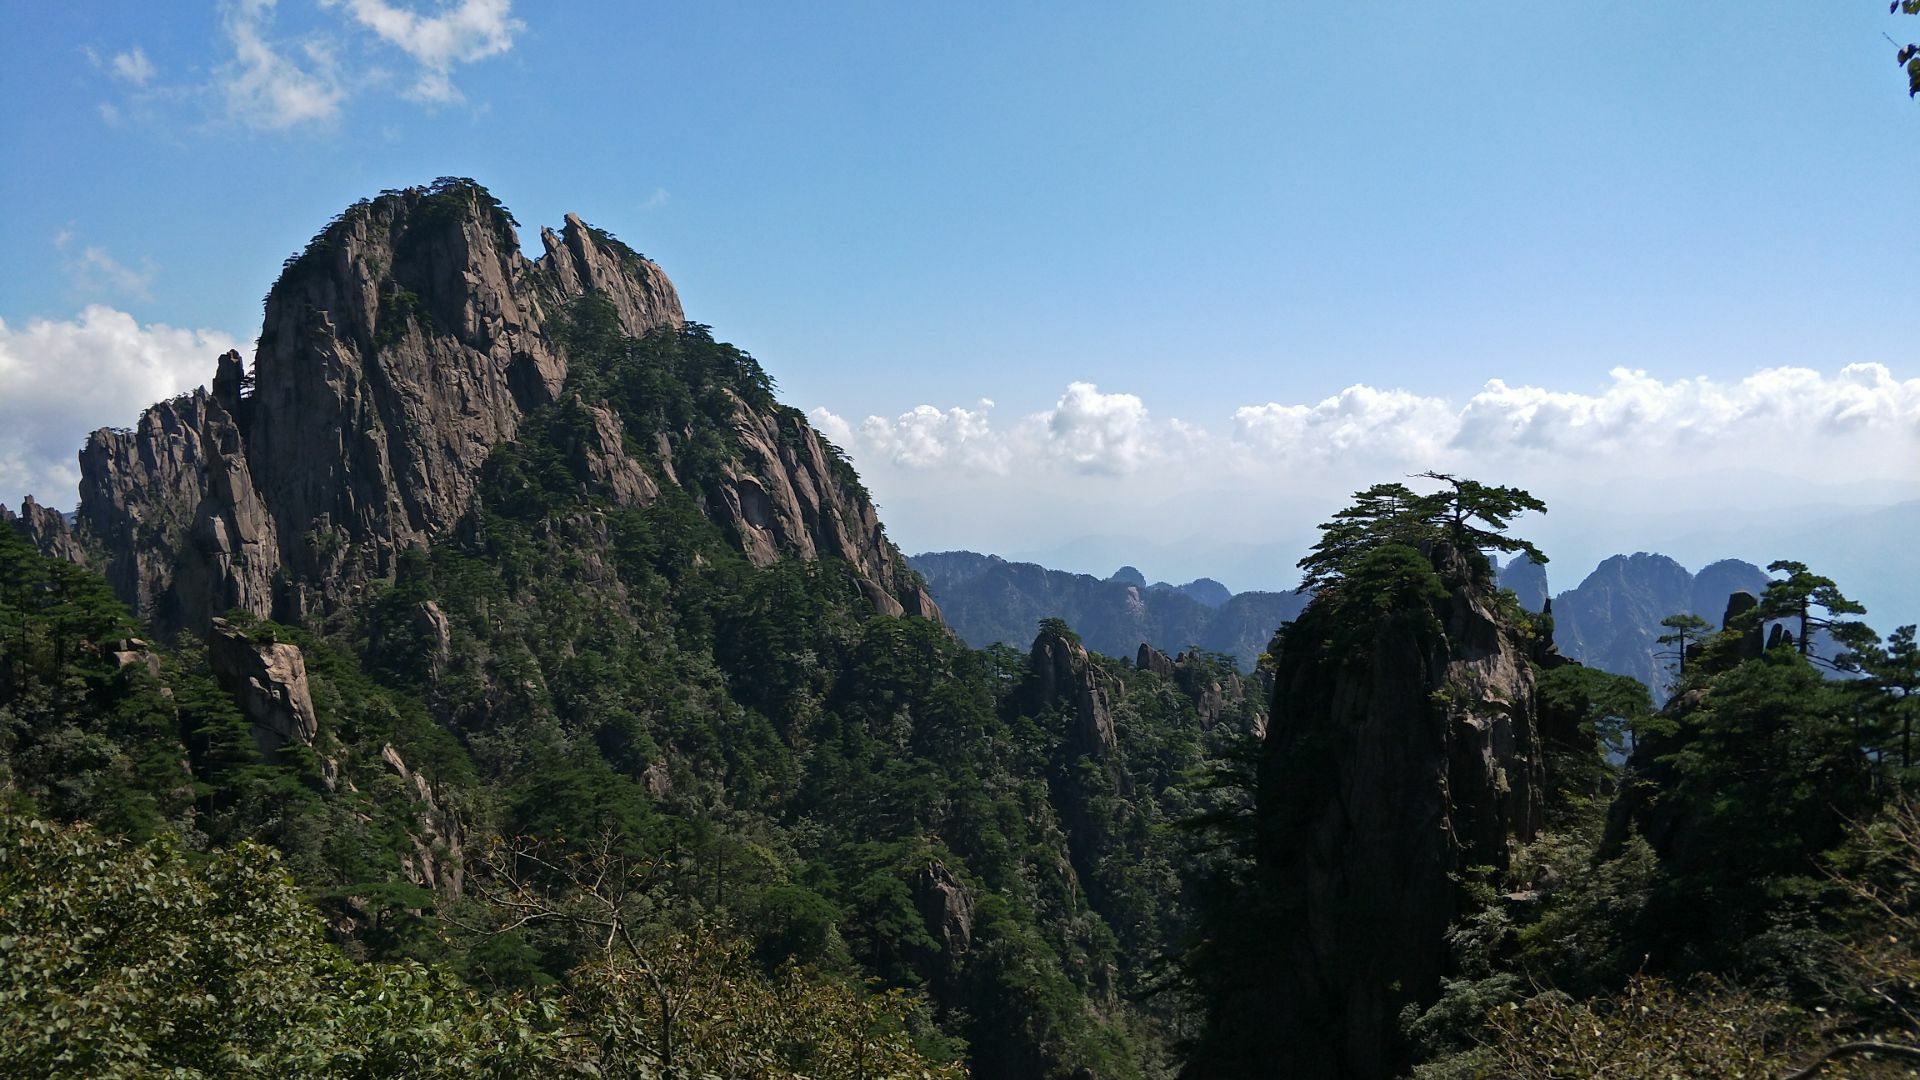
<point>1631,464</point>
<point>1859,422</point>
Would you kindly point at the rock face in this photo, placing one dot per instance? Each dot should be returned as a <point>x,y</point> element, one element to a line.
<point>1401,752</point>
<point>1527,579</point>
<point>439,839</point>
<point>782,497</point>
<point>1211,690</point>
<point>268,681</point>
<point>408,341</point>
<point>946,905</point>
<point>45,529</point>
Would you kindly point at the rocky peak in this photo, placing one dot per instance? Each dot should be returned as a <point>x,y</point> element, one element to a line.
<point>399,349</point>
<point>46,529</point>
<point>1402,750</point>
<point>1063,672</point>
<point>582,259</point>
<point>1736,618</point>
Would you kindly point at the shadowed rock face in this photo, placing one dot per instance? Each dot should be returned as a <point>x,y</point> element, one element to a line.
<point>1394,761</point>
<point>405,343</point>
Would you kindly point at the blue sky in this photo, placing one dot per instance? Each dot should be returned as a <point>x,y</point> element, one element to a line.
<point>1213,265</point>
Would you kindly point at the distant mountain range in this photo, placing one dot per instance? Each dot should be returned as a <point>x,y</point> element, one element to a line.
<point>1609,621</point>
<point>988,599</point>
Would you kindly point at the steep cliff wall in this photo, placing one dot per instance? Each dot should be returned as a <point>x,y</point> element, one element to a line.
<point>406,343</point>
<point>1403,751</point>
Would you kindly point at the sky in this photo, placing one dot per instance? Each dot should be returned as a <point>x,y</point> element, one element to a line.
<point>1086,283</point>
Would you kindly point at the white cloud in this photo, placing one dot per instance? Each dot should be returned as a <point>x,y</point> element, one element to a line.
<point>925,438</point>
<point>1359,421</point>
<point>133,66</point>
<point>60,380</point>
<point>836,429</point>
<point>268,90</point>
<point>1101,433</point>
<point>1860,421</point>
<point>276,78</point>
<point>461,34</point>
<point>1638,411</point>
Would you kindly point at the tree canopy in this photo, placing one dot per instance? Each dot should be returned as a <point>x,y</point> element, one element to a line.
<point>1471,516</point>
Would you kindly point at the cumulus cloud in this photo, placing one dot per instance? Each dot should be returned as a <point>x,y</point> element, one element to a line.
<point>1100,433</point>
<point>460,34</point>
<point>1638,410</point>
<point>1358,421</point>
<point>268,89</point>
<point>925,438</point>
<point>61,379</point>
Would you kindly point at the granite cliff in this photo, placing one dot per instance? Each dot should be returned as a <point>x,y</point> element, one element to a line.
<point>399,350</point>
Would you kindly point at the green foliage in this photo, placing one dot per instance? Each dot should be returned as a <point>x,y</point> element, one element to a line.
<point>1588,718</point>
<point>1798,595</point>
<point>124,960</point>
<point>1467,514</point>
<point>1908,56</point>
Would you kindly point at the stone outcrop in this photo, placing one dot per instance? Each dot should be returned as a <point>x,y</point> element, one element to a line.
<point>946,905</point>
<point>268,681</point>
<point>1063,672</point>
<point>1736,618</point>
<point>408,341</point>
<point>173,504</point>
<point>604,458</point>
<point>1212,690</point>
<point>1152,659</point>
<point>1402,751</point>
<point>783,497</point>
<point>438,840</point>
<point>581,260</point>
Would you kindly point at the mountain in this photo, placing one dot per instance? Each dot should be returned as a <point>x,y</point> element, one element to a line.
<point>1611,620</point>
<point>399,349</point>
<point>496,581</point>
<point>988,599</point>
